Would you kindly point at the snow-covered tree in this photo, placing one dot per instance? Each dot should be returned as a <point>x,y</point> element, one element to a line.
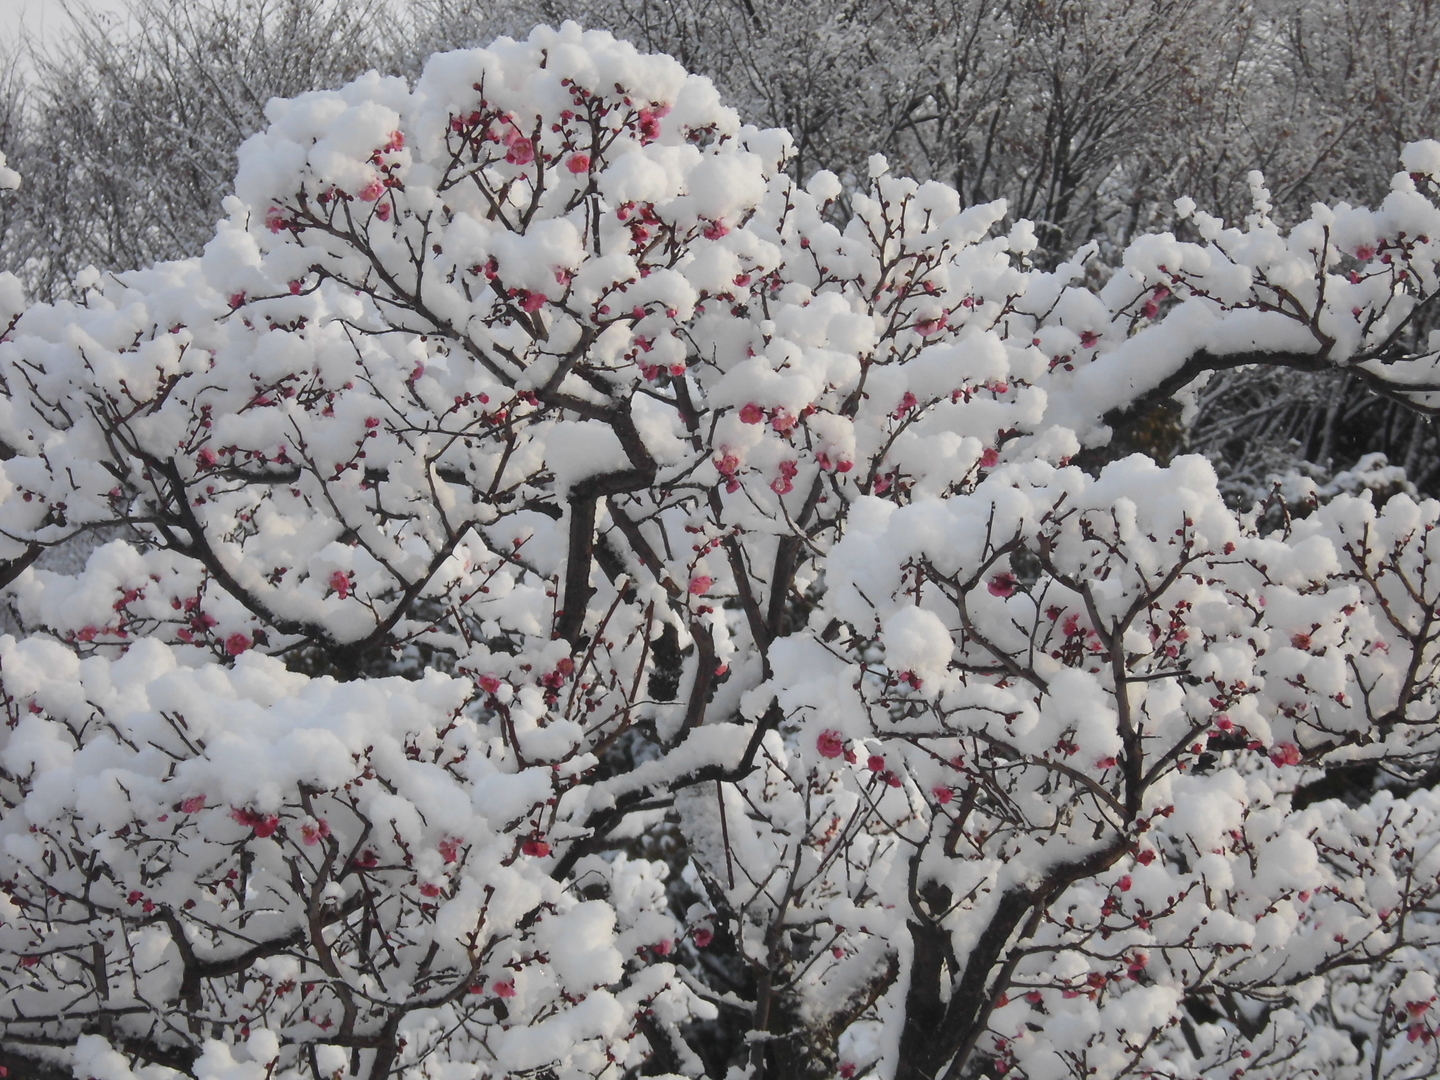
<point>1082,116</point>
<point>584,612</point>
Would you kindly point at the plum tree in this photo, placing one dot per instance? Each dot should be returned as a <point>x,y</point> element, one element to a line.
<point>583,607</point>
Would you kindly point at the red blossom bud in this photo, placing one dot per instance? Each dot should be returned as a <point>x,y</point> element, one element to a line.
<point>1002,585</point>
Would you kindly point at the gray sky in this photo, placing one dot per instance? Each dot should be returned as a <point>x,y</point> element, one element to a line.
<point>45,19</point>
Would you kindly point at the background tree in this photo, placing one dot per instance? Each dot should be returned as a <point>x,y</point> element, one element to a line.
<point>127,139</point>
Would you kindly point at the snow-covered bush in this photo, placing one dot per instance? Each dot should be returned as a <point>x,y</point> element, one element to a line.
<point>12,295</point>
<point>586,613</point>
